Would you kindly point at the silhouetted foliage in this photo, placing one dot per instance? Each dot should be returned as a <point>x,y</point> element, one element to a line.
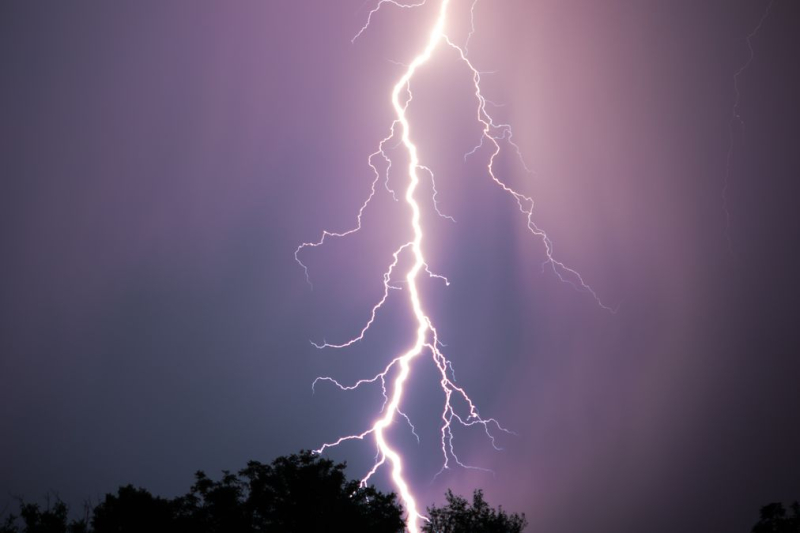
<point>35,520</point>
<point>774,519</point>
<point>295,494</point>
<point>458,516</point>
<point>306,493</point>
<point>131,510</point>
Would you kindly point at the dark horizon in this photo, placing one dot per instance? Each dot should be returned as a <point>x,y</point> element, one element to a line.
<point>162,161</point>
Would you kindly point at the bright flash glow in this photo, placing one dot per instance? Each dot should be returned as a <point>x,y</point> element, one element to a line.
<point>394,376</point>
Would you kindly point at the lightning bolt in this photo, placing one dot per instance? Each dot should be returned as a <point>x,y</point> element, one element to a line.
<point>736,120</point>
<point>393,378</point>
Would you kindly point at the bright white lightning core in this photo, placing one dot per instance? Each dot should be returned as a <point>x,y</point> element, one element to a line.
<point>394,376</point>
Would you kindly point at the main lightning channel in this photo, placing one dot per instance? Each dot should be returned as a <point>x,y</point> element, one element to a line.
<point>394,376</point>
<point>423,322</point>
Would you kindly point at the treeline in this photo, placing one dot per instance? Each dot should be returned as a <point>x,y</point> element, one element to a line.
<point>775,519</point>
<point>295,494</point>
<point>302,493</point>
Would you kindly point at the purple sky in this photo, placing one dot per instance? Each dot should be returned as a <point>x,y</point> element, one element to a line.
<point>162,160</point>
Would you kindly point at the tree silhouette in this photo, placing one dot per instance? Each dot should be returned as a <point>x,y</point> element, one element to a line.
<point>458,516</point>
<point>131,510</point>
<point>294,494</point>
<point>775,520</point>
<point>213,506</point>
<point>51,520</point>
<point>307,493</point>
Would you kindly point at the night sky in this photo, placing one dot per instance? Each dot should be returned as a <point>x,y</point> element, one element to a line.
<point>161,161</point>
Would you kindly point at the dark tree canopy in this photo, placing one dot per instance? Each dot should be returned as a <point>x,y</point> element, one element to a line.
<point>131,510</point>
<point>458,516</point>
<point>307,493</point>
<point>294,494</point>
<point>53,519</point>
<point>774,519</point>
